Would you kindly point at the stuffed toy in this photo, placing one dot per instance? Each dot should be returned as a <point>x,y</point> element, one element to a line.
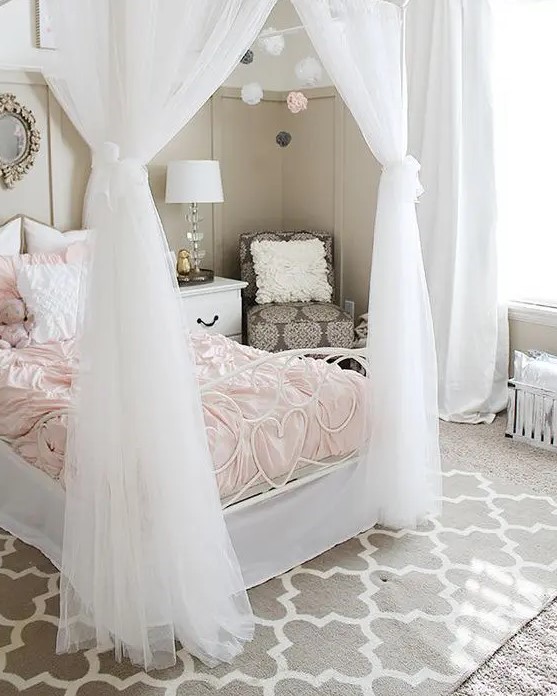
<point>14,331</point>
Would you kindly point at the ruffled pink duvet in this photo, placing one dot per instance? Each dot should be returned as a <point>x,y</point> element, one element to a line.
<point>35,393</point>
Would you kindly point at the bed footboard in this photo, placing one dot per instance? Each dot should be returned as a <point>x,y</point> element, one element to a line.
<point>303,382</point>
<point>300,381</point>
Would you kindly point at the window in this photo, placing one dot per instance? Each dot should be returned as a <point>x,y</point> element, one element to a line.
<point>526,137</point>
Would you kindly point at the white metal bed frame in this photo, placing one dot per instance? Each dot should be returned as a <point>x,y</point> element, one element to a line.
<point>261,486</point>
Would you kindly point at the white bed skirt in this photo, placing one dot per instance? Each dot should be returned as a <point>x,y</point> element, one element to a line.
<point>31,505</point>
<point>270,534</point>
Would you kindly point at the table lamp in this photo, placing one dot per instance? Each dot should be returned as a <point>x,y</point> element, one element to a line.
<point>193,182</point>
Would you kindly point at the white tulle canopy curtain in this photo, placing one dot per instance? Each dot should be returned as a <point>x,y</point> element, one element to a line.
<point>360,43</point>
<point>146,559</point>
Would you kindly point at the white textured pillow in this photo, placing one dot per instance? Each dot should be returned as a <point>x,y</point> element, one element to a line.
<point>41,239</point>
<point>10,238</point>
<point>293,271</point>
<point>51,293</point>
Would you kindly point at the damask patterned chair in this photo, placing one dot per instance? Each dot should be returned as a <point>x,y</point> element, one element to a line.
<point>275,327</point>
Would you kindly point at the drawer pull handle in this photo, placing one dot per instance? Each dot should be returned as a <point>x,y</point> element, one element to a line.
<point>211,323</point>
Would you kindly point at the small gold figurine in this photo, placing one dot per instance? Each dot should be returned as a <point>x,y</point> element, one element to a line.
<point>183,265</point>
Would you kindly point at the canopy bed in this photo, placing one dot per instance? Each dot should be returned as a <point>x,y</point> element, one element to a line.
<point>147,555</point>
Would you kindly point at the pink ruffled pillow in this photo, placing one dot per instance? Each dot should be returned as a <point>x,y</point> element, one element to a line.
<point>78,253</point>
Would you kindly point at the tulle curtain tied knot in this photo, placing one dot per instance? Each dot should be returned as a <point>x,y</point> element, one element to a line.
<point>407,171</point>
<point>113,175</point>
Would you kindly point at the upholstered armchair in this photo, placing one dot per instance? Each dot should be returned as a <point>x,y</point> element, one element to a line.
<point>275,327</point>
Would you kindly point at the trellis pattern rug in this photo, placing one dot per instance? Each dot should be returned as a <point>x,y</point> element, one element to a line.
<point>388,613</point>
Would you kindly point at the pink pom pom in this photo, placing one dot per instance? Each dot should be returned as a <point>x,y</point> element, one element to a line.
<point>296,102</point>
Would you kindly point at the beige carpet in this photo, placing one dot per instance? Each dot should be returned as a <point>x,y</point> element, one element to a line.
<point>384,614</point>
<point>527,663</point>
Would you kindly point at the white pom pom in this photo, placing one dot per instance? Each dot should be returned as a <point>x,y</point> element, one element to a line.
<point>274,45</point>
<point>309,71</point>
<point>252,93</point>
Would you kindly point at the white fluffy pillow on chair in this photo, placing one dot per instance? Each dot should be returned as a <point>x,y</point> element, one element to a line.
<point>293,271</point>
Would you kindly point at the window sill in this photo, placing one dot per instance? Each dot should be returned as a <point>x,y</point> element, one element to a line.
<point>533,314</point>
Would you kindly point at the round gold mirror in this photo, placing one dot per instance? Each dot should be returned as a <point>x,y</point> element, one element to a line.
<point>19,140</point>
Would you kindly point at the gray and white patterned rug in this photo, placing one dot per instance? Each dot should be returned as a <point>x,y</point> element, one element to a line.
<point>388,613</point>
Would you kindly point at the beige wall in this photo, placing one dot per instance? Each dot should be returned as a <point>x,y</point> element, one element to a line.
<point>359,182</point>
<point>70,167</point>
<point>193,142</point>
<point>251,162</point>
<point>309,164</point>
<point>526,335</point>
<point>309,169</point>
<point>331,182</point>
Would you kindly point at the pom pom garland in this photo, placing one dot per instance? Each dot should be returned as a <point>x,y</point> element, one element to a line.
<point>252,93</point>
<point>247,58</point>
<point>283,139</point>
<point>309,71</point>
<point>274,44</point>
<point>296,102</point>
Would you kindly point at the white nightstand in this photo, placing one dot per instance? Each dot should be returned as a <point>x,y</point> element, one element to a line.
<point>215,307</point>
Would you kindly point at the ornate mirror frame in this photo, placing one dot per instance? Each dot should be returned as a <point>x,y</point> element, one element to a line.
<point>12,172</point>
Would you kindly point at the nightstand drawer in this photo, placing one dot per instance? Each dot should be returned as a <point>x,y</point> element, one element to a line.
<point>219,312</point>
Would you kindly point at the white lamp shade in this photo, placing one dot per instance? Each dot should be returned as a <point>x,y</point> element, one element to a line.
<point>194,181</point>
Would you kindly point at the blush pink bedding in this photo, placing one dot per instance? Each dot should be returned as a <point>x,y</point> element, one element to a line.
<point>35,383</point>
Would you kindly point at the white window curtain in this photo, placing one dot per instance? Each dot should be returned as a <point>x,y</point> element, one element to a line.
<point>526,152</point>
<point>359,42</point>
<point>147,559</point>
<point>449,57</point>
